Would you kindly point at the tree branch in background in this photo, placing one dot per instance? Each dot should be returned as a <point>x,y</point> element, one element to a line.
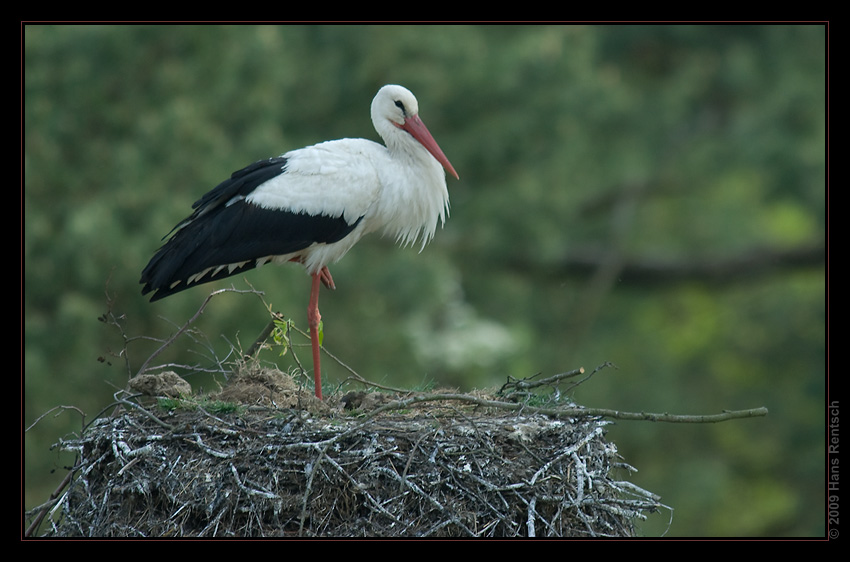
<point>646,272</point>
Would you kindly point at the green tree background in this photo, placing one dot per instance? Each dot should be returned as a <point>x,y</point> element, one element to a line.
<point>653,196</point>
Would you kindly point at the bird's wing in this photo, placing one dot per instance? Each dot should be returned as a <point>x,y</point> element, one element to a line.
<point>239,184</point>
<point>274,207</point>
<point>334,178</point>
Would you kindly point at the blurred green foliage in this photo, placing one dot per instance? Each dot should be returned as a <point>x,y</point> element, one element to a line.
<point>627,143</point>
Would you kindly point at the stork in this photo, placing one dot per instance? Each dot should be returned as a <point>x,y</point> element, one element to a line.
<point>310,206</point>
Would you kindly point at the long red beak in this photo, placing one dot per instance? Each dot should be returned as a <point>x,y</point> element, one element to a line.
<point>417,128</point>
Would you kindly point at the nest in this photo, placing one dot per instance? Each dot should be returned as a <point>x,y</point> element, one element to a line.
<point>364,465</point>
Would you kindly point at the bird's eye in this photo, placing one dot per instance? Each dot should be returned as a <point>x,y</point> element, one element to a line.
<point>400,105</point>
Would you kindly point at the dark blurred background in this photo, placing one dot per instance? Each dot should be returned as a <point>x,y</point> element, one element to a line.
<point>653,196</point>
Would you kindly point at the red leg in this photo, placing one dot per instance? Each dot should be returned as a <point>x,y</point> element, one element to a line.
<point>313,319</point>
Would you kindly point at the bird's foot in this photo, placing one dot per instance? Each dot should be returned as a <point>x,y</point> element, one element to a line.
<point>327,280</point>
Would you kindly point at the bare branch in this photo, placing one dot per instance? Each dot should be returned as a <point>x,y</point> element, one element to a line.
<point>188,323</point>
<point>751,264</point>
<point>571,412</point>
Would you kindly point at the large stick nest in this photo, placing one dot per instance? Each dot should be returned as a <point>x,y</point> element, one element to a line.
<point>287,466</point>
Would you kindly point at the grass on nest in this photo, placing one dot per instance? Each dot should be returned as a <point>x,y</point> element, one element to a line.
<point>195,403</point>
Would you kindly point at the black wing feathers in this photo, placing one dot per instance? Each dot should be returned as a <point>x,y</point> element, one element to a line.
<point>224,230</point>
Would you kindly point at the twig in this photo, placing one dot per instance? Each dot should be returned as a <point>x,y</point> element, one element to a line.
<point>128,403</point>
<point>261,339</point>
<point>572,412</point>
<point>43,509</point>
<point>354,374</point>
<point>527,384</point>
<point>188,323</point>
<point>63,408</point>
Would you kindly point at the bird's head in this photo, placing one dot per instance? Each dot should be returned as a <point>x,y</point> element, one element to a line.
<point>397,106</point>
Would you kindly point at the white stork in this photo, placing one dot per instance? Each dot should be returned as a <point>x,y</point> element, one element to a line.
<point>311,206</point>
